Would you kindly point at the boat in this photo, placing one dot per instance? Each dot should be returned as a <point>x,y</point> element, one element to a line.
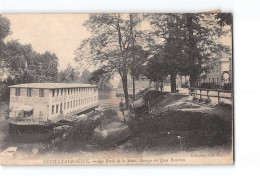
<point>110,134</point>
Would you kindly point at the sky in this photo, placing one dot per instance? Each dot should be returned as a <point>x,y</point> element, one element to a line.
<point>57,33</point>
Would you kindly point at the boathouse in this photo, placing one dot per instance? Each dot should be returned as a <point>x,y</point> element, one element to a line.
<point>47,101</point>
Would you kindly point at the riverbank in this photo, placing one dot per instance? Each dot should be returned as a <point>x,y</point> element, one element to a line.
<point>174,125</point>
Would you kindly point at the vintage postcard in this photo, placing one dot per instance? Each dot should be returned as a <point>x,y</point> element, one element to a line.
<point>116,89</point>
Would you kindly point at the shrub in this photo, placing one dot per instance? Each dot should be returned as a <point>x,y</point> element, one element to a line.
<point>207,101</point>
<point>197,129</point>
<point>201,100</point>
<point>71,140</point>
<point>209,86</point>
<point>79,136</point>
<point>184,85</point>
<point>195,98</point>
<point>227,86</point>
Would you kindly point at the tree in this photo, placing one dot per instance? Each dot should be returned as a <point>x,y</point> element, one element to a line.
<point>201,44</point>
<point>24,65</point>
<point>101,78</point>
<point>186,43</point>
<point>168,32</point>
<point>224,19</point>
<point>84,78</point>
<point>109,44</point>
<point>4,32</point>
<point>138,57</point>
<point>69,75</point>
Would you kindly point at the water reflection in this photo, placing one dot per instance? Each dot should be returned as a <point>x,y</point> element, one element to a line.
<point>108,99</point>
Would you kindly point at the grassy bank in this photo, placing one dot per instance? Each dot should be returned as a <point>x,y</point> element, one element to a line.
<point>175,130</point>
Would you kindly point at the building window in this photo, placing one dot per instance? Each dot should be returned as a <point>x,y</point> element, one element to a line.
<point>209,80</point>
<point>57,108</point>
<point>29,92</point>
<point>53,92</point>
<point>68,91</point>
<point>71,104</point>
<point>213,80</point>
<point>64,106</point>
<point>57,92</point>
<point>68,104</point>
<point>17,91</point>
<point>61,92</point>
<point>52,109</point>
<point>41,92</point>
<point>74,90</point>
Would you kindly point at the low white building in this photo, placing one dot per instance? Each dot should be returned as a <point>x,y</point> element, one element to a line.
<point>47,101</point>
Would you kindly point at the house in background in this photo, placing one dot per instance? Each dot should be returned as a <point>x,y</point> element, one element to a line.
<point>220,72</point>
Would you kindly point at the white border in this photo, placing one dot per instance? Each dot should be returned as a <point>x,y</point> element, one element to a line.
<point>247,94</point>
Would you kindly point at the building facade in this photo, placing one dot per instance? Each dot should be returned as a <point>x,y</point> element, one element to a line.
<point>220,71</point>
<point>48,101</point>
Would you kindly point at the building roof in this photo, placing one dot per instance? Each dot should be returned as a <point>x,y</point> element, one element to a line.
<point>52,85</point>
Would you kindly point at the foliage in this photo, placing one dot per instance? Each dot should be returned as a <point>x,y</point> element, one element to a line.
<point>101,78</point>
<point>4,32</point>
<point>84,78</point>
<point>80,135</point>
<point>69,75</point>
<point>109,47</point>
<point>109,116</point>
<point>228,86</point>
<point>21,64</point>
<point>196,129</point>
<point>72,140</point>
<point>208,100</point>
<point>224,19</point>
<point>194,98</point>
<point>209,86</point>
<point>185,42</point>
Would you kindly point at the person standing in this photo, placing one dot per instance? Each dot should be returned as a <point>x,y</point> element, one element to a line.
<point>121,108</point>
<point>161,86</point>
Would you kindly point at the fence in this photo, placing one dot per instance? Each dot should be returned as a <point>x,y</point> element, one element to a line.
<point>211,93</point>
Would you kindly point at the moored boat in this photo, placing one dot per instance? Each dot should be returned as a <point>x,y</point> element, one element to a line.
<point>110,134</point>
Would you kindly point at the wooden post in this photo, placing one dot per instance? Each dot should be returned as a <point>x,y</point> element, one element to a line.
<point>218,96</point>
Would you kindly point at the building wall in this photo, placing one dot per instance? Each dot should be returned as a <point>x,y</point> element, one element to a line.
<point>40,104</point>
<point>78,101</point>
<point>216,73</point>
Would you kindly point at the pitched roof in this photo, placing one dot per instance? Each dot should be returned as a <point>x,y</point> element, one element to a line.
<point>51,85</point>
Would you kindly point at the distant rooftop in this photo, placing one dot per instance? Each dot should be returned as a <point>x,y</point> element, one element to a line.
<point>52,85</point>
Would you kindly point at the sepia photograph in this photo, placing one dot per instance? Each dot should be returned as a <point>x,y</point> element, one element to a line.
<point>116,89</point>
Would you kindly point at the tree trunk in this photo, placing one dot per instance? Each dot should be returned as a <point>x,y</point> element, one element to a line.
<point>124,81</point>
<point>173,83</point>
<point>192,81</point>
<point>133,88</point>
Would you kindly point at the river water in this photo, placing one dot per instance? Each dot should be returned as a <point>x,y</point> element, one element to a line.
<point>109,100</point>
